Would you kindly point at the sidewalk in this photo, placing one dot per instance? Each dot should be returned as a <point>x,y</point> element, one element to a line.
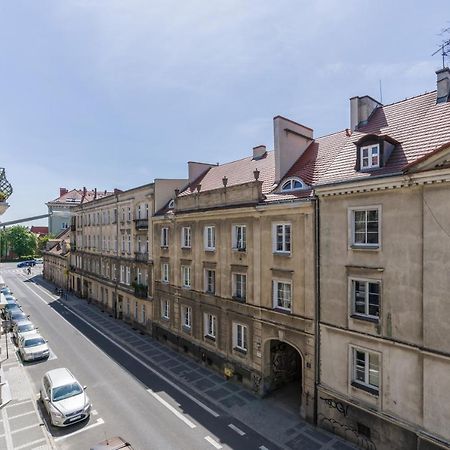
<point>268,417</point>
<point>21,426</point>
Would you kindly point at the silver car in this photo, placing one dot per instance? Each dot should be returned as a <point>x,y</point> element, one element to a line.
<point>23,328</point>
<point>33,347</point>
<point>64,398</point>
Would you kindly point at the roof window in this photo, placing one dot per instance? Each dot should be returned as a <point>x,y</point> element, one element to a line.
<point>370,156</point>
<point>293,184</point>
<point>373,151</point>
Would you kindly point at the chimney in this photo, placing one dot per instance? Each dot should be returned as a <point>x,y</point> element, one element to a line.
<point>360,110</point>
<point>291,140</point>
<point>62,191</point>
<point>197,169</point>
<point>95,193</point>
<point>443,85</point>
<point>259,151</point>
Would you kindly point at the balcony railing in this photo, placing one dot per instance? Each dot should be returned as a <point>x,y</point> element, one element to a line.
<point>141,257</point>
<point>140,291</point>
<point>141,224</point>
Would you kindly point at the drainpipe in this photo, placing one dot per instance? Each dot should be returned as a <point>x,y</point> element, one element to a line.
<point>317,308</point>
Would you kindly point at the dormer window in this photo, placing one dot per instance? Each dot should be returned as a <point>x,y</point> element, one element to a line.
<point>370,157</point>
<point>294,184</point>
<point>171,204</point>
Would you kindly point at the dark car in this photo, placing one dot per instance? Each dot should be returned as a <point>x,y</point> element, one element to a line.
<point>6,291</point>
<point>29,263</point>
<point>10,298</point>
<point>9,308</point>
<point>16,316</point>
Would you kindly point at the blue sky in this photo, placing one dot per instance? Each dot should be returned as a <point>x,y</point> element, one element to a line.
<point>112,94</point>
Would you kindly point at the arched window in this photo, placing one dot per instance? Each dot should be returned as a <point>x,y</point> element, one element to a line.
<point>171,204</point>
<point>294,184</point>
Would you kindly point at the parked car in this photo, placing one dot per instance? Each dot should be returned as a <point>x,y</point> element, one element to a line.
<point>15,317</point>
<point>39,260</point>
<point>114,443</point>
<point>23,328</point>
<point>9,308</point>
<point>29,263</point>
<point>10,298</point>
<point>64,398</point>
<point>6,291</point>
<point>33,347</point>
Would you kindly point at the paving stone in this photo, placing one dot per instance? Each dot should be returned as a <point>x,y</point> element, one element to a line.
<point>14,410</point>
<point>318,435</point>
<point>217,379</point>
<point>303,443</point>
<point>23,421</point>
<point>218,393</point>
<point>248,395</point>
<point>204,384</point>
<point>31,434</point>
<point>233,400</point>
<point>191,376</point>
<point>179,369</point>
<point>340,445</point>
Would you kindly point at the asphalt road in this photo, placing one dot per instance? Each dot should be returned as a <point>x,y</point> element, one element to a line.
<point>129,399</point>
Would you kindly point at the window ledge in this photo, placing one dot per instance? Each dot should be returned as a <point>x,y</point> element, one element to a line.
<point>363,387</point>
<point>186,329</point>
<point>282,310</point>
<point>210,338</point>
<point>282,253</point>
<point>240,250</point>
<point>165,319</point>
<point>365,247</point>
<point>365,318</point>
<point>239,299</point>
<point>210,249</point>
<point>240,350</point>
<point>210,292</point>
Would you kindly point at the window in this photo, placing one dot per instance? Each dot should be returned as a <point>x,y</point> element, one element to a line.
<point>210,281</point>
<point>122,274</point>
<point>164,237</point>
<point>186,276</point>
<point>210,238</point>
<point>128,276</point>
<point>366,370</point>
<point>210,326</point>
<point>165,309</point>
<point>129,214</point>
<point>282,238</point>
<point>365,227</point>
<point>240,286</point>
<point>144,315</point>
<point>138,276</point>
<point>240,334</point>
<point>164,272</point>
<point>186,237</point>
<point>239,237</point>
<point>282,295</point>
<point>186,316</point>
<point>129,243</point>
<point>293,184</point>
<point>366,298</point>
<point>370,157</point>
<point>136,311</point>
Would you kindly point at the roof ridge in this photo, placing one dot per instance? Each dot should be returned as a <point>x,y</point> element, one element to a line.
<point>408,98</point>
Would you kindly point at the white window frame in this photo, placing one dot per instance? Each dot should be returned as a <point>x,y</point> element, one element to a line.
<point>164,272</point>
<point>240,337</point>
<point>236,283</point>
<point>186,237</point>
<point>352,291</point>
<point>164,237</point>
<point>210,238</point>
<point>286,246</point>
<point>210,324</point>
<point>186,314</point>
<point>186,276</point>
<point>207,278</point>
<point>365,384</point>
<point>276,299</point>
<point>291,182</point>
<point>239,237</point>
<point>127,275</point>
<point>165,309</point>
<point>352,229</point>
<point>373,151</point>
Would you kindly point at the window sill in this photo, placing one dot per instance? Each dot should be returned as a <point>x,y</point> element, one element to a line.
<point>282,310</point>
<point>186,288</point>
<point>209,338</point>
<point>186,329</point>
<point>363,387</point>
<point>240,350</point>
<point>164,247</point>
<point>239,299</point>
<point>186,248</point>
<point>365,247</point>
<point>282,253</point>
<point>365,318</point>
<point>210,292</point>
<point>165,319</point>
<point>210,249</point>
<point>240,250</point>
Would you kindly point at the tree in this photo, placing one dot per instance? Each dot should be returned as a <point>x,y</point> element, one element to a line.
<point>21,241</point>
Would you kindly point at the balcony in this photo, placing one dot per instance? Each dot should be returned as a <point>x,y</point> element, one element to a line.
<point>141,257</point>
<point>140,291</point>
<point>141,224</point>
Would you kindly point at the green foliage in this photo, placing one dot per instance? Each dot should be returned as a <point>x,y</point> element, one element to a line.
<point>41,244</point>
<point>21,241</point>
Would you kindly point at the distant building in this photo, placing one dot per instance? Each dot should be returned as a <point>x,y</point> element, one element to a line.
<point>40,231</point>
<point>61,208</point>
<point>56,259</point>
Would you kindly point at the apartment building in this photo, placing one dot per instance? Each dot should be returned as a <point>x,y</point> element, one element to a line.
<point>111,258</point>
<point>56,260</point>
<point>384,259</point>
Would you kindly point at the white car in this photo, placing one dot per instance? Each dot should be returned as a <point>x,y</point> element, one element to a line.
<point>23,328</point>
<point>32,347</point>
<point>64,398</point>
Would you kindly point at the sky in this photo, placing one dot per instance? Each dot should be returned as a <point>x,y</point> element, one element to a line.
<point>113,94</point>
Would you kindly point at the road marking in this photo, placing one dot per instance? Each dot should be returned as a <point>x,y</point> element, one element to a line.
<point>18,403</point>
<point>172,409</point>
<point>94,412</point>
<point>212,442</point>
<point>21,415</point>
<point>154,371</point>
<point>26,428</point>
<point>96,424</point>
<point>263,447</point>
<point>238,430</point>
<point>52,355</point>
<point>8,436</point>
<point>28,444</point>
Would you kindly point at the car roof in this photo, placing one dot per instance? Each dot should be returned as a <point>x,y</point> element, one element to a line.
<point>18,313</point>
<point>24,322</point>
<point>33,335</point>
<point>60,377</point>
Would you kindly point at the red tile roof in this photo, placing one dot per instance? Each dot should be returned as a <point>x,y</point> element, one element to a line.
<point>77,196</point>
<point>39,230</point>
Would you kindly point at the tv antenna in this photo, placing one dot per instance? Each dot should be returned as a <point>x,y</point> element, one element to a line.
<point>444,48</point>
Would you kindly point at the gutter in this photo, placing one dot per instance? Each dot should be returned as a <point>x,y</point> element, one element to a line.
<point>375,177</point>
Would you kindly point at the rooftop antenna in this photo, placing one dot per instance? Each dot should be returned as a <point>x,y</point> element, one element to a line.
<point>444,48</point>
<point>381,93</point>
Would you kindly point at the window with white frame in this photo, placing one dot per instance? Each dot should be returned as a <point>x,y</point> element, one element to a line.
<point>165,272</point>
<point>210,325</point>
<point>239,286</point>
<point>164,237</point>
<point>294,184</point>
<point>138,276</point>
<point>128,275</point>
<point>281,238</point>
<point>370,157</point>
<point>282,295</point>
<point>122,274</point>
<point>210,281</point>
<point>186,276</point>
<point>365,226</point>
<point>186,316</point>
<point>165,309</point>
<point>365,298</point>
<point>129,213</point>
<point>186,237</point>
<point>240,337</point>
<point>366,369</point>
<point>239,237</point>
<point>129,243</point>
<point>210,238</point>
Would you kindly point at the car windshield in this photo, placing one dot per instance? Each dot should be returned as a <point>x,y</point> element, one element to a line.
<point>12,306</point>
<point>69,390</point>
<point>18,315</point>
<point>26,327</point>
<point>33,342</point>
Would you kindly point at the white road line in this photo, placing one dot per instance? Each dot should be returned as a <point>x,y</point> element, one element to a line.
<point>8,436</point>
<point>155,372</point>
<point>94,412</point>
<point>212,442</point>
<point>26,428</point>
<point>18,403</point>
<point>172,409</point>
<point>29,444</point>
<point>263,447</point>
<point>96,424</point>
<point>238,430</point>
<point>21,415</point>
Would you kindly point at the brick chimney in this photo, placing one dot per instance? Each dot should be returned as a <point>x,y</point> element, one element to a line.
<point>259,151</point>
<point>443,85</point>
<point>360,110</point>
<point>62,191</point>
